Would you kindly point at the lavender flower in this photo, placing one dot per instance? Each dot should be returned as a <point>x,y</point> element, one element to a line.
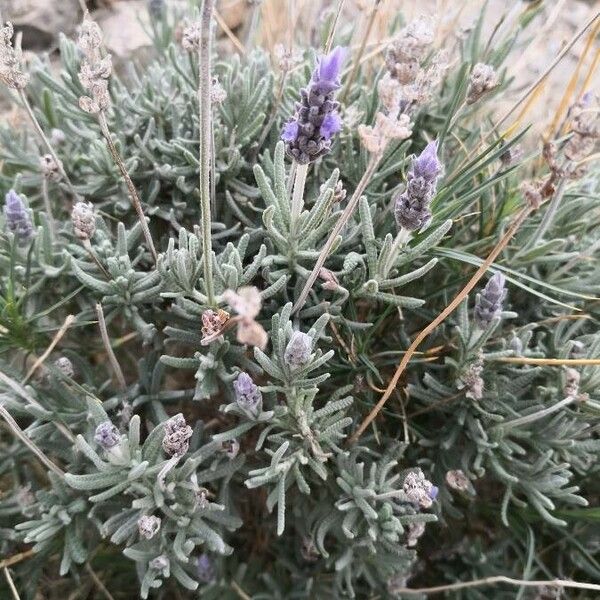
<point>309,133</point>
<point>84,220</point>
<point>10,61</point>
<point>457,480</point>
<point>148,526</point>
<point>488,304</point>
<point>412,206</point>
<point>177,435</point>
<point>419,490</point>
<point>247,395</point>
<point>107,435</point>
<point>65,366</point>
<point>205,569</point>
<point>483,79</point>
<point>156,8</point>
<point>298,351</point>
<point>17,217</point>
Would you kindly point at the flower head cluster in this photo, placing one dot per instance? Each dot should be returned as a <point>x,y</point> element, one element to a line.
<point>177,435</point>
<point>10,61</point>
<point>51,170</point>
<point>148,526</point>
<point>419,490</point>
<point>18,219</point>
<point>247,395</point>
<point>483,79</point>
<point>65,366</point>
<point>309,133</point>
<point>107,435</point>
<point>457,480</point>
<point>411,207</point>
<point>191,35</point>
<point>95,69</point>
<point>84,220</point>
<point>298,350</point>
<point>585,125</point>
<point>213,324</point>
<point>488,304</point>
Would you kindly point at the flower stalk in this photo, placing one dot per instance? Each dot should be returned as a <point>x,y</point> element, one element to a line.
<point>205,114</point>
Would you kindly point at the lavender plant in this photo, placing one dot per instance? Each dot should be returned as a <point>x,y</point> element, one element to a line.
<point>210,268</point>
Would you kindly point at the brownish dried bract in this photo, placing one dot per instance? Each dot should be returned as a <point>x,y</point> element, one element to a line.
<point>213,324</point>
<point>10,61</point>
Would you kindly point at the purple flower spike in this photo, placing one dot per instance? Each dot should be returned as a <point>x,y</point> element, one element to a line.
<point>329,66</point>
<point>290,131</point>
<point>247,395</point>
<point>488,304</point>
<point>427,164</point>
<point>331,124</point>
<point>308,134</point>
<point>412,206</point>
<point>17,217</point>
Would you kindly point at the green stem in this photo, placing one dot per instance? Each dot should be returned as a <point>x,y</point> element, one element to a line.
<point>298,196</point>
<point>205,114</point>
<point>401,239</point>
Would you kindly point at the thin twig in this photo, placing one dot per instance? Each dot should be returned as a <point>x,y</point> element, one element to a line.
<point>135,199</point>
<point>98,582</point>
<point>334,25</point>
<point>343,219</point>
<point>116,367</point>
<point>520,217</point>
<point>14,426</point>
<point>558,583</point>
<point>59,334</point>
<point>205,116</point>
<point>11,584</point>
<point>239,591</point>
<point>16,558</point>
<point>569,362</point>
<point>234,40</point>
<point>48,207</point>
<point>88,247</point>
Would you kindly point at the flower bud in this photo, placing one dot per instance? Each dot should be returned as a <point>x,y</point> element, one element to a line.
<point>298,351</point>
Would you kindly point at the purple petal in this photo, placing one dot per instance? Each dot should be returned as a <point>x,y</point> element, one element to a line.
<point>331,124</point>
<point>433,492</point>
<point>290,131</point>
<point>330,65</point>
<point>427,164</point>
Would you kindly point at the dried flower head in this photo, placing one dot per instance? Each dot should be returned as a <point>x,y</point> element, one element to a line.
<point>148,526</point>
<point>161,564</point>
<point>308,550</point>
<point>308,134</point>
<point>65,366</point>
<point>17,217</point>
<point>213,324</point>
<point>488,303</point>
<point>50,169</point>
<point>483,79</point>
<point>511,156</point>
<point>532,193</point>
<point>471,380</point>
<point>457,480</point>
<point>10,61</point>
<point>191,36</point>
<point>202,500</point>
<point>286,58</point>
<point>298,350</point>
<point>585,127</point>
<point>177,436</point>
<point>246,302</point>
<point>95,68</point>
<point>418,489</point>
<point>411,207</point>
<point>205,569</point>
<point>408,49</point>
<point>218,95</point>
<point>107,435</point>
<point>375,138</point>
<point>572,378</point>
<point>84,220</point>
<point>231,448</point>
<point>247,395</point>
